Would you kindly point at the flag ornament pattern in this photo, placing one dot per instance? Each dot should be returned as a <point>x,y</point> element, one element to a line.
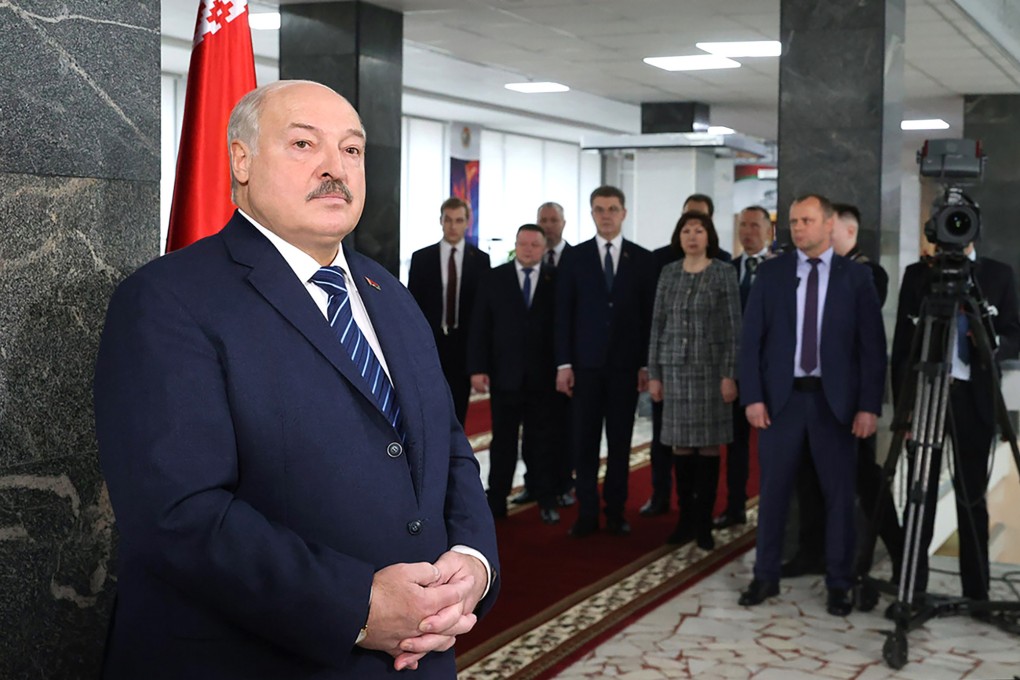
<point>222,71</point>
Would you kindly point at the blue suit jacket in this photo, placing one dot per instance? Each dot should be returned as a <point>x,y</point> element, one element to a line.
<point>256,485</point>
<point>598,328</point>
<point>852,342</point>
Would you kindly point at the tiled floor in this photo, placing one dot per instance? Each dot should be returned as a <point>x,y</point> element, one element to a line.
<point>704,634</point>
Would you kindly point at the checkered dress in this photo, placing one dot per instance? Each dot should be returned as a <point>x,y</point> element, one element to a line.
<point>695,329</point>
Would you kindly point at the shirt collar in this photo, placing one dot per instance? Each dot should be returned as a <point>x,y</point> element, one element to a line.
<point>616,241</point>
<point>520,267</point>
<point>303,264</point>
<point>825,257</point>
<point>761,254</point>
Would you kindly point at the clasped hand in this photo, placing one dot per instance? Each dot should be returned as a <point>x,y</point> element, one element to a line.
<point>419,608</point>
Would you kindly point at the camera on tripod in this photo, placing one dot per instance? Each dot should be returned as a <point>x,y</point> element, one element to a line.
<point>955,219</point>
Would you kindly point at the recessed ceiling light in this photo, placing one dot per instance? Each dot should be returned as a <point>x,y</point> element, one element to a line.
<point>720,130</point>
<point>754,48</point>
<point>264,21</point>
<point>536,88</point>
<point>925,124</point>
<point>696,62</point>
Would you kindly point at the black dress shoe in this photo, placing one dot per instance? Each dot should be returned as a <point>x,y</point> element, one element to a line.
<point>522,498</point>
<point>758,592</point>
<point>654,507</point>
<point>727,520</point>
<point>801,565</point>
<point>583,528</point>
<point>565,500</point>
<point>550,515</point>
<point>839,602</point>
<point>617,527</point>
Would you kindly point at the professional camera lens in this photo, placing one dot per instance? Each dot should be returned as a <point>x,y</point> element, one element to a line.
<point>958,223</point>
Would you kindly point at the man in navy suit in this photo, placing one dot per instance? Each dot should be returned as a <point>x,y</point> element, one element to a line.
<point>444,278</point>
<point>605,290</point>
<point>510,355</point>
<point>279,517</point>
<point>812,369</point>
<point>754,230</point>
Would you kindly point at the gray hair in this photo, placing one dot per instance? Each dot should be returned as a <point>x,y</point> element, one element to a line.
<point>551,204</point>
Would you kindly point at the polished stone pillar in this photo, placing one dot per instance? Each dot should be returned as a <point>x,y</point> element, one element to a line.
<point>840,106</point>
<point>357,49</point>
<point>79,210</point>
<point>995,121</point>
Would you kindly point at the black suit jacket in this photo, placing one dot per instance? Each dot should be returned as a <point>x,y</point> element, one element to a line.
<point>425,281</point>
<point>596,328</point>
<point>510,342</point>
<point>998,286</point>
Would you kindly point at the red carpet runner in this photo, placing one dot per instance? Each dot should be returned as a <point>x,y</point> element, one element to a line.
<point>544,572</point>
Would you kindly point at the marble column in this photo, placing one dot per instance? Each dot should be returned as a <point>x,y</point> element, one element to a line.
<point>840,106</point>
<point>995,121</point>
<point>79,210</point>
<point>357,49</point>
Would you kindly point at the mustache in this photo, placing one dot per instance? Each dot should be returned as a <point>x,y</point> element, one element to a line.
<point>331,186</point>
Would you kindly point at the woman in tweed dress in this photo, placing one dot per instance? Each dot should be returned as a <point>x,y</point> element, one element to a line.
<point>692,366</point>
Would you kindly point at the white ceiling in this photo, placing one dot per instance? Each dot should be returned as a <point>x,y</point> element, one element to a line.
<point>459,53</point>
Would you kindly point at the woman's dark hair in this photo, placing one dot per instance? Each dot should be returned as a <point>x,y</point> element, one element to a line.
<point>706,221</point>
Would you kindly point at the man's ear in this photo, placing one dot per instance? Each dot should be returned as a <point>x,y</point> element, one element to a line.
<point>240,160</point>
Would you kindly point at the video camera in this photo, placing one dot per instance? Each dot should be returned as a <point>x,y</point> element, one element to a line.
<point>955,217</point>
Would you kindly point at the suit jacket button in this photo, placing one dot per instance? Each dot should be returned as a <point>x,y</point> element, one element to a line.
<point>394,450</point>
<point>414,527</point>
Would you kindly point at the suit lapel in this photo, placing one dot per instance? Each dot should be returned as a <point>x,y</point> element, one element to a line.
<point>833,293</point>
<point>275,281</point>
<point>790,299</point>
<point>392,335</point>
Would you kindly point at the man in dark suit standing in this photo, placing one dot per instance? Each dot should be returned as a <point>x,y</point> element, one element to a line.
<point>605,291</point>
<point>510,355</point>
<point>812,369</point>
<point>444,279</point>
<point>550,219</point>
<point>754,230</point>
<point>971,403</point>
<point>809,558</point>
<point>294,496</point>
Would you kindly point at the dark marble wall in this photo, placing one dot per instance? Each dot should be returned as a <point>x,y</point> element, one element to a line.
<point>840,106</point>
<point>79,197</point>
<point>357,49</point>
<point>995,120</point>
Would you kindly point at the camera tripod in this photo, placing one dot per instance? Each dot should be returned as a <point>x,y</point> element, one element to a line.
<point>923,412</point>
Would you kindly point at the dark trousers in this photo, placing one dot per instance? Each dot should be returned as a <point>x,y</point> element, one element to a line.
<point>562,437</point>
<point>806,417</point>
<point>661,459</point>
<point>452,350</point>
<point>973,437</point>
<point>738,456</point>
<point>511,411</point>
<point>870,489</point>
<point>603,396</point>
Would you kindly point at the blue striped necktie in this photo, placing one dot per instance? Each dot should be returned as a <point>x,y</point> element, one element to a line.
<point>341,319</point>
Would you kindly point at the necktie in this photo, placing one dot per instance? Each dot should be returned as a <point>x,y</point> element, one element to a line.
<point>451,291</point>
<point>551,258</point>
<point>332,280</point>
<point>809,333</point>
<point>962,346</point>
<point>607,267</point>
<point>527,286</point>
<point>750,266</point>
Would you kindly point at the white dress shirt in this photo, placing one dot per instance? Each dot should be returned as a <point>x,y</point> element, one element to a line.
<point>533,275</point>
<point>444,260</point>
<point>761,255</point>
<point>960,370</point>
<point>614,252</point>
